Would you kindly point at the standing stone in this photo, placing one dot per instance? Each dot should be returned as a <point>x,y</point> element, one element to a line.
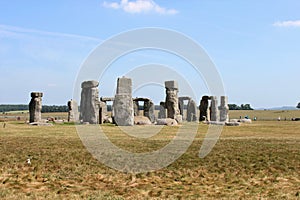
<point>35,107</point>
<point>123,103</point>
<point>191,111</point>
<point>89,104</point>
<point>214,111</point>
<point>181,105</point>
<point>171,102</point>
<point>136,108</point>
<point>162,114</point>
<point>73,115</point>
<point>224,109</point>
<point>204,109</point>
<point>149,110</point>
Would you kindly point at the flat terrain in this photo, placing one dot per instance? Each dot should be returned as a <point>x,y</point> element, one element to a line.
<point>253,161</point>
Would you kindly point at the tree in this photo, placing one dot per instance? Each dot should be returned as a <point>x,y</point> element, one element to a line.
<point>242,107</point>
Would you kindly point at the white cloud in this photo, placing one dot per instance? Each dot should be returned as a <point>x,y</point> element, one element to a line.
<point>295,23</point>
<point>139,6</point>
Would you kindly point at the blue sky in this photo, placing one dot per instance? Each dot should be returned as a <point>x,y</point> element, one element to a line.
<point>255,45</point>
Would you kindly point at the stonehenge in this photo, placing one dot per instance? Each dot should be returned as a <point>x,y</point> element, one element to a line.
<point>35,107</point>
<point>214,112</point>
<point>224,109</point>
<point>73,115</point>
<point>128,111</point>
<point>123,103</point>
<point>171,103</point>
<point>148,108</point>
<point>89,103</point>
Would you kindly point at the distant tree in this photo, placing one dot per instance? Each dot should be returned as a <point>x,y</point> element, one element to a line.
<point>298,106</point>
<point>242,107</point>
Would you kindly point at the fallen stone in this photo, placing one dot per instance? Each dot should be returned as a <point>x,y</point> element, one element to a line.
<point>142,120</point>
<point>232,124</point>
<point>246,121</point>
<point>167,122</point>
<point>40,124</point>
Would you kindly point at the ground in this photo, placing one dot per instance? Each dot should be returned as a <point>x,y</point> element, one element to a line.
<point>253,161</point>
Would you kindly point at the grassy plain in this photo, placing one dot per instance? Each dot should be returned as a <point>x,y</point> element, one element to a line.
<point>253,161</point>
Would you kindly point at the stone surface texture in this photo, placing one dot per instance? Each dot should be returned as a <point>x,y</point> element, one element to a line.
<point>123,103</point>
<point>73,115</point>
<point>89,103</point>
<point>35,107</point>
<point>171,103</point>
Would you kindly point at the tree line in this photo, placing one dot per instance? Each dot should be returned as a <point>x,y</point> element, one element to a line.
<point>24,107</point>
<point>56,108</point>
<point>241,107</point>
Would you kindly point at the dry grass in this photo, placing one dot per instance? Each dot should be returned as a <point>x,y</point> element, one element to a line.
<point>256,161</point>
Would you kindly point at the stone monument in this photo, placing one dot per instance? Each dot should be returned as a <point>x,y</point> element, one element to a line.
<point>123,103</point>
<point>204,109</point>
<point>89,103</point>
<point>191,111</point>
<point>224,109</point>
<point>73,115</point>
<point>214,111</point>
<point>162,111</point>
<point>35,107</point>
<point>171,103</point>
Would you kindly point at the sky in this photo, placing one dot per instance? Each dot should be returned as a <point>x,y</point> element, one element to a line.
<point>254,45</point>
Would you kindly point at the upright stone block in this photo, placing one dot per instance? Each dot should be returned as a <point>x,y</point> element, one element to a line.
<point>123,103</point>
<point>191,111</point>
<point>162,114</point>
<point>214,111</point>
<point>204,109</point>
<point>124,86</point>
<point>73,115</point>
<point>224,109</point>
<point>171,102</point>
<point>89,104</point>
<point>35,107</point>
<point>136,108</point>
<point>149,110</point>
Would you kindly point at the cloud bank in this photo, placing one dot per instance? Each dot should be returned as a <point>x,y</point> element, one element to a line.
<point>139,6</point>
<point>290,23</point>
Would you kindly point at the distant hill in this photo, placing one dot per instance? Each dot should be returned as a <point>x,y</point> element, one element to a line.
<point>279,108</point>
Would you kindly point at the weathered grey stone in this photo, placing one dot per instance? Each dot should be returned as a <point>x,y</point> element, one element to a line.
<point>105,99</point>
<point>103,116</point>
<point>148,108</point>
<point>89,103</point>
<point>224,109</point>
<point>40,124</point>
<point>136,108</point>
<point>89,84</point>
<point>214,111</point>
<point>35,107</point>
<point>191,111</point>
<point>103,113</point>
<point>181,105</point>
<point>73,115</point>
<point>123,103</point>
<point>171,103</point>
<point>246,121</point>
<point>216,123</point>
<point>167,122</point>
<point>162,111</point>
<point>232,124</point>
<point>204,109</point>
<point>142,120</point>
<point>124,86</point>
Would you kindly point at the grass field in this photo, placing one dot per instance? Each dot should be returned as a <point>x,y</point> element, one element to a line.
<point>254,161</point>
